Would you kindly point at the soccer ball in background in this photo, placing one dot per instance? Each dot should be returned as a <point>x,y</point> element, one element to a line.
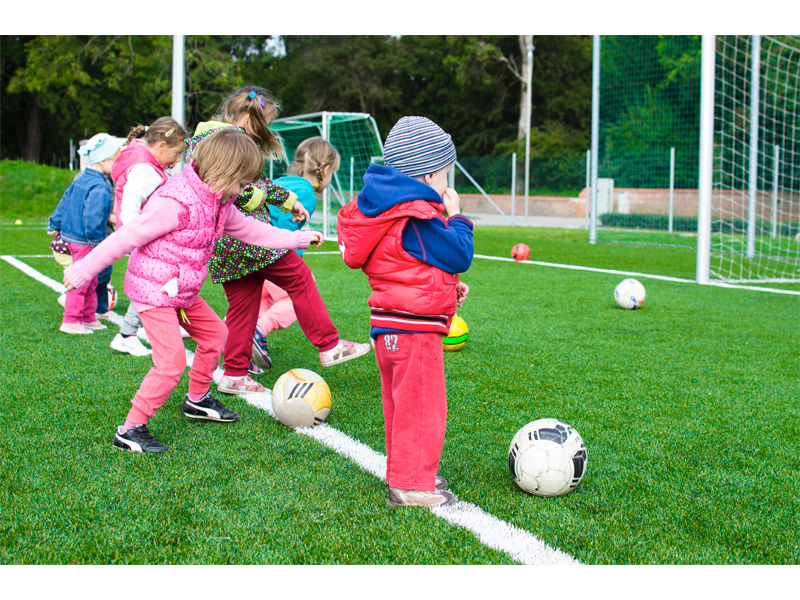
<point>521,252</point>
<point>458,336</point>
<point>547,458</point>
<point>112,297</point>
<point>301,398</point>
<point>629,294</point>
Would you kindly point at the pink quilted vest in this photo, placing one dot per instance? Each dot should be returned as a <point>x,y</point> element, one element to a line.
<point>184,252</point>
<point>135,154</point>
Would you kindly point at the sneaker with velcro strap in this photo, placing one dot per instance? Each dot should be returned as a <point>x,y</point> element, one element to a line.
<point>343,351</point>
<point>208,408</point>
<point>138,439</point>
<point>260,353</point>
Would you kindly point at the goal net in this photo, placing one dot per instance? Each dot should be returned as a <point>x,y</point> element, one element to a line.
<point>357,139</point>
<point>755,197</point>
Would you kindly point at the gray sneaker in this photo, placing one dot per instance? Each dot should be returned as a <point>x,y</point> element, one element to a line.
<point>398,497</point>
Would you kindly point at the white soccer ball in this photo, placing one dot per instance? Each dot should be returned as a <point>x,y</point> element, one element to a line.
<point>301,398</point>
<point>547,458</point>
<point>629,294</point>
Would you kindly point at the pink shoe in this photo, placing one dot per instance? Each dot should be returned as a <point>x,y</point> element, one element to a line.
<point>94,325</point>
<point>74,328</point>
<point>228,385</point>
<point>343,351</point>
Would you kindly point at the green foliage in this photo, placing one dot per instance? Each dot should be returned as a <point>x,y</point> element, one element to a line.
<point>30,192</point>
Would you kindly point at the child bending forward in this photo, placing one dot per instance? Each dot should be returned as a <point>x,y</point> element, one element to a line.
<point>396,233</point>
<point>170,244</point>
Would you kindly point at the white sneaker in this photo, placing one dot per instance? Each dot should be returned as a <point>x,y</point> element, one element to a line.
<point>343,351</point>
<point>129,345</point>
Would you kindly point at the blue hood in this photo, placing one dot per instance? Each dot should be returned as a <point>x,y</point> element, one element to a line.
<point>385,187</point>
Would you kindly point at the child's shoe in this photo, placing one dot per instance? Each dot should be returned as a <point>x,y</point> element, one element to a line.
<point>343,351</point>
<point>129,345</point>
<point>101,316</point>
<point>74,328</point>
<point>261,350</point>
<point>94,325</point>
<point>398,497</point>
<point>229,385</point>
<point>254,369</point>
<point>138,439</point>
<point>208,408</point>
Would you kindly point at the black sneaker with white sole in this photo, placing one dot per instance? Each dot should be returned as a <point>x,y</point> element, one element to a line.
<point>138,439</point>
<point>208,408</point>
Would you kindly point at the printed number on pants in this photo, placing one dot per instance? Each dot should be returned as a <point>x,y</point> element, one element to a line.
<point>390,340</point>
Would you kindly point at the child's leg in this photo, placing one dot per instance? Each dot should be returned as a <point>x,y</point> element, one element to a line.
<point>276,310</point>
<point>243,302</point>
<point>291,274</point>
<point>415,407</point>
<point>210,333</point>
<point>103,277</point>
<point>131,322</point>
<point>81,304</point>
<point>169,363</point>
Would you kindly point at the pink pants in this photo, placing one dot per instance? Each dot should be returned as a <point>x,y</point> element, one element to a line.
<point>162,326</point>
<point>81,304</point>
<point>291,274</point>
<point>414,407</point>
<point>276,311</point>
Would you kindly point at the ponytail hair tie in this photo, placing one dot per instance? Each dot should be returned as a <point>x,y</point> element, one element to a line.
<point>253,95</point>
<point>146,128</point>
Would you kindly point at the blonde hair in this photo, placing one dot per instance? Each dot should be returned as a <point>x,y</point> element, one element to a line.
<point>262,109</point>
<point>163,129</point>
<point>226,157</point>
<point>312,156</point>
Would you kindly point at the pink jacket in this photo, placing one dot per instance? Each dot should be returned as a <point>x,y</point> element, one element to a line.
<point>135,154</point>
<point>174,238</point>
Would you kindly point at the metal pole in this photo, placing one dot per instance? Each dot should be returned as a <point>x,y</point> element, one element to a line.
<point>178,77</point>
<point>588,186</point>
<point>775,172</point>
<point>326,201</point>
<point>530,50</point>
<point>671,186</point>
<point>707,73</point>
<point>352,176</point>
<point>595,133</point>
<point>755,72</point>
<point>513,186</point>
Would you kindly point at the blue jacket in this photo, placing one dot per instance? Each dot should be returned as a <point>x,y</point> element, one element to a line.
<point>82,213</point>
<point>305,195</point>
<point>445,245</point>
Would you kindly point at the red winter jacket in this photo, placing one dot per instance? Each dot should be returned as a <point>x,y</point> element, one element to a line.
<point>407,294</point>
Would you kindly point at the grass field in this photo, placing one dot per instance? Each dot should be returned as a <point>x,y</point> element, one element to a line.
<point>689,408</point>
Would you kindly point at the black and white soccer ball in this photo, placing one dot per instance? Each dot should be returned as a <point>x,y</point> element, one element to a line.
<point>547,458</point>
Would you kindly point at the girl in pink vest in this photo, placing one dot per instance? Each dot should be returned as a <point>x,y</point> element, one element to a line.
<point>170,245</point>
<point>138,172</point>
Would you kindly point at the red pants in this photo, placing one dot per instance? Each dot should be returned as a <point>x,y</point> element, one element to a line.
<point>81,304</point>
<point>414,407</point>
<point>162,326</point>
<point>291,274</point>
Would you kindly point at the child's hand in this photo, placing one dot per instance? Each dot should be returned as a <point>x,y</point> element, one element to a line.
<point>316,237</point>
<point>452,203</point>
<point>462,289</point>
<point>299,212</point>
<point>52,233</point>
<point>67,284</point>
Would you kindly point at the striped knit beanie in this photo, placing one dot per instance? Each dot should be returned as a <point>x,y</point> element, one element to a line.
<point>417,146</point>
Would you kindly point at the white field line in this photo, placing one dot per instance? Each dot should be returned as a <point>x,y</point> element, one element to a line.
<point>521,545</point>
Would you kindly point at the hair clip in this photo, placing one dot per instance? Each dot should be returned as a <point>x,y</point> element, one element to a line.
<point>170,132</point>
<point>261,99</point>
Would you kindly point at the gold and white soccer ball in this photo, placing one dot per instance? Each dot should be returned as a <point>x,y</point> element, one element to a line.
<point>301,398</point>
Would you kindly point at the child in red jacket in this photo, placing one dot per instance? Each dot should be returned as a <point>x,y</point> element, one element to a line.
<point>396,233</point>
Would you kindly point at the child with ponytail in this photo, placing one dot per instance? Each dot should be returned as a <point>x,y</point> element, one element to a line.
<point>138,172</point>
